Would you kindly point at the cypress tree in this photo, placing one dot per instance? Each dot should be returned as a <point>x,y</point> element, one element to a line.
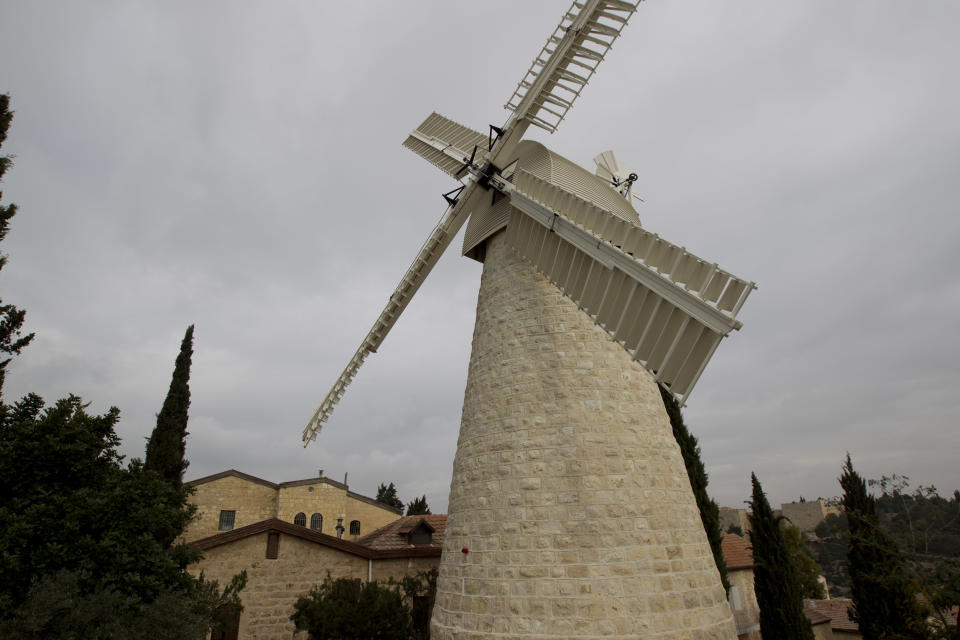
<point>11,318</point>
<point>775,579</point>
<point>709,511</point>
<point>418,507</point>
<point>883,597</point>
<point>387,494</point>
<point>167,446</point>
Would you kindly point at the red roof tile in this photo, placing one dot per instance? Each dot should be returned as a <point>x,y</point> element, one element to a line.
<point>737,552</point>
<point>392,537</point>
<point>836,609</point>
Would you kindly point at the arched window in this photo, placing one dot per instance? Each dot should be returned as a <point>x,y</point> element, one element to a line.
<point>316,522</point>
<point>355,528</point>
<point>300,519</point>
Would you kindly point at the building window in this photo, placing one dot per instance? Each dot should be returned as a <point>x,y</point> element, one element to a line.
<point>316,522</point>
<point>227,519</point>
<point>355,528</point>
<point>300,519</point>
<point>273,545</point>
<point>734,598</point>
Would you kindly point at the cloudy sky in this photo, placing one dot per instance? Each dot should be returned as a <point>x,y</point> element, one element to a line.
<point>237,165</point>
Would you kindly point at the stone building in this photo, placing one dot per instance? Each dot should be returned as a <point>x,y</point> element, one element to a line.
<point>829,618</point>
<point>284,561</point>
<point>231,499</point>
<point>808,514</point>
<point>742,598</point>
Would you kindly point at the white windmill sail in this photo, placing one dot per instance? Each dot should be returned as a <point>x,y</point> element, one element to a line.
<point>553,82</point>
<point>667,307</point>
<point>421,266</point>
<point>544,95</point>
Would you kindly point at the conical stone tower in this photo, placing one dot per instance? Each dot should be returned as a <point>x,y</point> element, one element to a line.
<point>570,515</point>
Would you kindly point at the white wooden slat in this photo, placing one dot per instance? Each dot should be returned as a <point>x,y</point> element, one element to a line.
<point>423,263</point>
<point>667,328</point>
<point>596,21</point>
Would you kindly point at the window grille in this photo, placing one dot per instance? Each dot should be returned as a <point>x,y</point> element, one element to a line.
<point>316,522</point>
<point>227,520</point>
<point>355,528</point>
<point>300,519</point>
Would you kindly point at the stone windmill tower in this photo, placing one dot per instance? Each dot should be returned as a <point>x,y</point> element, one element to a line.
<point>570,514</point>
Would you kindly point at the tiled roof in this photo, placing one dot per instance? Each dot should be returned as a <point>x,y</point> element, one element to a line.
<point>836,610</point>
<point>737,552</point>
<point>392,537</point>
<point>358,548</point>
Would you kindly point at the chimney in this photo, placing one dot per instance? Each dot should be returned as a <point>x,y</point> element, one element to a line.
<point>320,473</point>
<point>344,478</point>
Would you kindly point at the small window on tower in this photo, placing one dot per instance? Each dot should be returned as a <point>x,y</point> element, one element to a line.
<point>227,519</point>
<point>316,522</point>
<point>355,528</point>
<point>300,519</point>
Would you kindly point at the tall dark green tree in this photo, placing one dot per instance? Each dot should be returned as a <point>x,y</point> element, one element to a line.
<point>12,339</point>
<point>775,578</point>
<point>166,449</point>
<point>883,589</point>
<point>387,494</point>
<point>418,507</point>
<point>709,511</point>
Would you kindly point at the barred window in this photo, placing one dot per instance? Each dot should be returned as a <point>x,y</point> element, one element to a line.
<point>300,519</point>
<point>316,522</point>
<point>227,519</point>
<point>355,528</point>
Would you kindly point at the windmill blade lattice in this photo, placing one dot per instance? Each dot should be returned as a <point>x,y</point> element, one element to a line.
<point>421,266</point>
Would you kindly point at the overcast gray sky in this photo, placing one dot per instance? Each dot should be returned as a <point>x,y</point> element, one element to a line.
<point>237,165</point>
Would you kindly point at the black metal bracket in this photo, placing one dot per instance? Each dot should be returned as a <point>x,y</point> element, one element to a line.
<point>453,196</point>
<point>491,140</point>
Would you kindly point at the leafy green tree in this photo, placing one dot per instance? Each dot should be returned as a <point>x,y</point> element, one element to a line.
<point>774,576</point>
<point>420,592</point>
<point>883,590</point>
<point>166,449</point>
<point>418,507</point>
<point>808,571</point>
<point>12,339</point>
<point>350,609</point>
<point>67,505</point>
<point>387,494</point>
<point>709,511</point>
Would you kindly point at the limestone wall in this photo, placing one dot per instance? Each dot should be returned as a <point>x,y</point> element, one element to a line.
<point>252,502</point>
<point>804,515</point>
<point>274,585</point>
<point>569,490</point>
<point>332,502</point>
<point>395,568</point>
<point>746,611</point>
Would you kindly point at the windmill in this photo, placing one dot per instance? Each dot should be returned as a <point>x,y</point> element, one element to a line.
<point>570,511</point>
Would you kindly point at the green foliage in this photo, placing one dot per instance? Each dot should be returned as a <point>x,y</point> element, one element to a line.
<point>420,591</point>
<point>808,571</point>
<point>56,606</point>
<point>774,576</point>
<point>387,494</point>
<point>829,550</point>
<point>709,511</point>
<point>349,609</point>
<point>882,587</point>
<point>67,504</point>
<point>12,340</point>
<point>418,507</point>
<point>166,449</point>
<point>735,530</point>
